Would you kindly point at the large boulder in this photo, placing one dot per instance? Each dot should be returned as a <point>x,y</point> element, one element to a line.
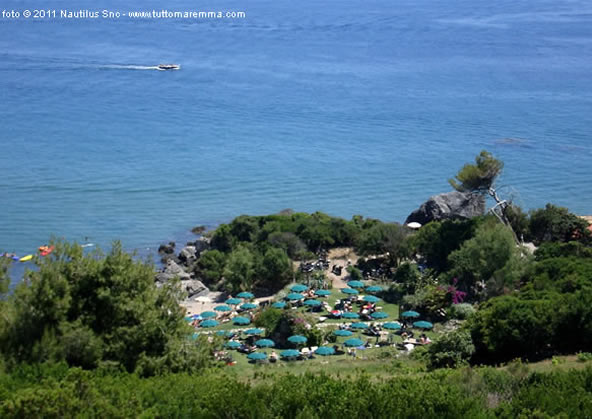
<point>172,270</point>
<point>447,206</point>
<point>194,288</point>
<point>201,244</point>
<point>188,255</point>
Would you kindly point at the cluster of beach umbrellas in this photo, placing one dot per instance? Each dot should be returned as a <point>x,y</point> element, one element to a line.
<point>421,324</point>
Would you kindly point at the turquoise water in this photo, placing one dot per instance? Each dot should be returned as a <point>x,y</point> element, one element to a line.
<point>350,107</point>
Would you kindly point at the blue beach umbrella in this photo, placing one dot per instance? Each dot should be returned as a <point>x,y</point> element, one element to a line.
<point>410,313</point>
<point>353,342</point>
<point>392,325</point>
<point>233,344</point>
<point>257,356</point>
<point>254,331</point>
<point>248,306</point>
<point>343,333</point>
<point>423,324</point>
<point>298,288</point>
<point>222,308</point>
<point>325,350</point>
<point>379,315</point>
<point>359,326</point>
<point>224,333</point>
<point>279,304</point>
<point>349,291</point>
<point>245,294</point>
<point>290,353</point>
<point>322,293</point>
<point>209,323</point>
<point>350,315</point>
<point>294,296</point>
<point>297,339</point>
<point>241,320</point>
<point>233,301</point>
<point>208,314</point>
<point>312,303</point>
<point>371,299</point>
<point>355,284</point>
<point>189,318</point>
<point>265,343</point>
<point>373,288</point>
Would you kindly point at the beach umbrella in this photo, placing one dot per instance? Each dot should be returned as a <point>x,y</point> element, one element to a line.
<point>297,339</point>
<point>322,293</point>
<point>298,288</point>
<point>241,320</point>
<point>349,291</point>
<point>290,353</point>
<point>312,303</point>
<point>325,350</point>
<point>233,301</point>
<point>254,331</point>
<point>224,333</point>
<point>379,315</point>
<point>392,325</point>
<point>248,306</point>
<point>279,304</point>
<point>350,315</point>
<point>189,318</point>
<point>245,294</point>
<point>294,296</point>
<point>343,333</point>
<point>194,336</point>
<point>222,308</point>
<point>423,324</point>
<point>265,343</point>
<point>209,323</point>
<point>414,225</point>
<point>257,356</point>
<point>373,288</point>
<point>232,344</point>
<point>410,313</point>
<point>359,326</point>
<point>355,284</point>
<point>371,299</point>
<point>198,317</point>
<point>353,342</point>
<point>208,314</point>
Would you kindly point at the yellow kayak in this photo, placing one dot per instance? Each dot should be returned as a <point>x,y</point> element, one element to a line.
<point>26,258</point>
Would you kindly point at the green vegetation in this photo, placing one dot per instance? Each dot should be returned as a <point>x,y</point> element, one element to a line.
<point>93,310</point>
<point>90,333</point>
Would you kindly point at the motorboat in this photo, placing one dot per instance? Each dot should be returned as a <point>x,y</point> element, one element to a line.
<point>168,66</point>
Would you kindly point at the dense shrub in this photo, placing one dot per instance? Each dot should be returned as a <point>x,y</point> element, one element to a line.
<point>450,349</point>
<point>462,311</point>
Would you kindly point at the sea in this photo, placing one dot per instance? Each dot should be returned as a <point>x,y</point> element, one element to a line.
<point>347,107</point>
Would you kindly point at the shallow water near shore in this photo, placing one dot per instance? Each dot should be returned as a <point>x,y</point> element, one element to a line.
<point>349,108</point>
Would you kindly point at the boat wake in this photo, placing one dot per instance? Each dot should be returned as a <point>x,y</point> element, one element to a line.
<point>131,67</point>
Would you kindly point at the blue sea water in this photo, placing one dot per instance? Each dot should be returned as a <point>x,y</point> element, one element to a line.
<point>350,107</point>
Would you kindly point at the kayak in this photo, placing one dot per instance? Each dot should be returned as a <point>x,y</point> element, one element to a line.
<point>46,250</point>
<point>26,258</point>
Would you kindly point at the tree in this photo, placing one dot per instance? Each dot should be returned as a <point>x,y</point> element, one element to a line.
<point>91,309</point>
<point>275,270</point>
<point>557,224</point>
<point>240,269</point>
<point>450,349</point>
<point>210,266</point>
<point>384,238</point>
<point>490,258</point>
<point>480,178</point>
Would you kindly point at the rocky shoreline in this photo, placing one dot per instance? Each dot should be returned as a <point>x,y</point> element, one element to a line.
<point>181,264</point>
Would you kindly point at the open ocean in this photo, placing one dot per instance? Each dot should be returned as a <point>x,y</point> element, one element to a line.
<point>350,107</point>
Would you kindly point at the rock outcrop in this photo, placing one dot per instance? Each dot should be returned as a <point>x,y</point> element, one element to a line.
<point>450,205</point>
<point>172,270</point>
